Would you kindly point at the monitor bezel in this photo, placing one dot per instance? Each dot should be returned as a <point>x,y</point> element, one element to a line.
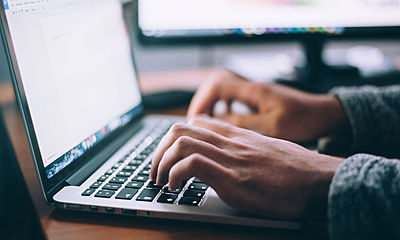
<point>354,33</point>
<point>50,186</point>
<point>349,33</point>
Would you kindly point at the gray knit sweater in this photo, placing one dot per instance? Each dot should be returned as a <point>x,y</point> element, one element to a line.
<point>364,197</point>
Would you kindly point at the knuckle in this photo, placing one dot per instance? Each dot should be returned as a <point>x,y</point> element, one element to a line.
<point>219,75</point>
<point>178,128</point>
<point>242,147</point>
<point>243,179</point>
<point>182,143</point>
<point>213,83</point>
<point>259,89</point>
<point>195,160</point>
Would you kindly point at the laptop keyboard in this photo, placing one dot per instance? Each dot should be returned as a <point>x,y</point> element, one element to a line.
<point>128,179</point>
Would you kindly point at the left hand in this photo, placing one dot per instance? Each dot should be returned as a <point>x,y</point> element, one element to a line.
<point>255,173</point>
<point>279,111</point>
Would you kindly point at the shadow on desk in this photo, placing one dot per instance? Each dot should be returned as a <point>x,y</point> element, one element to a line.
<point>147,228</point>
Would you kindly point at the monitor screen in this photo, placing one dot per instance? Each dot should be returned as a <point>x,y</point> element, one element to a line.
<point>188,18</point>
<point>76,68</point>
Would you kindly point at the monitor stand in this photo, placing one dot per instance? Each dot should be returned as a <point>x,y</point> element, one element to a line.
<point>318,77</point>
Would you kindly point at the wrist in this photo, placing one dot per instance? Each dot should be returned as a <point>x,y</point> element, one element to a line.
<point>331,115</point>
<point>318,198</point>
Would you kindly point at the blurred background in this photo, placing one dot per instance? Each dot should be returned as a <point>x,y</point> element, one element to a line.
<point>259,61</point>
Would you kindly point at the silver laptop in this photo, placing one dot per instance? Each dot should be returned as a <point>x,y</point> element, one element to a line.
<point>78,93</point>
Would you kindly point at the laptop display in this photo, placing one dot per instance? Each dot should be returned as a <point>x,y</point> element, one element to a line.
<point>77,73</point>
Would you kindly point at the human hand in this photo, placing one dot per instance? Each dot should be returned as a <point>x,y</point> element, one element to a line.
<point>280,111</point>
<point>252,172</point>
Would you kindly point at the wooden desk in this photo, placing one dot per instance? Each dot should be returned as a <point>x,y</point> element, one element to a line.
<point>61,224</point>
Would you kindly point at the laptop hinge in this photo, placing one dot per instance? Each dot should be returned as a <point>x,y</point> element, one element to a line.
<point>103,155</point>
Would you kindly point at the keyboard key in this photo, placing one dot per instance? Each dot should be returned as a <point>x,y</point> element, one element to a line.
<point>140,157</point>
<point>147,195</point>
<point>118,180</point>
<point>197,180</point>
<point>176,191</point>
<point>129,168</point>
<point>88,192</point>
<point>124,174</point>
<point>135,163</point>
<point>112,186</point>
<point>102,178</point>
<point>153,145</point>
<point>127,193</point>
<point>146,152</point>
<point>198,186</point>
<point>152,185</point>
<point>147,167</point>
<point>121,161</point>
<point>138,160</point>
<point>141,178</point>
<point>104,193</point>
<point>111,171</point>
<point>134,184</point>
<point>167,198</point>
<point>194,193</point>
<point>191,201</point>
<point>117,165</point>
<point>144,172</point>
<point>95,185</point>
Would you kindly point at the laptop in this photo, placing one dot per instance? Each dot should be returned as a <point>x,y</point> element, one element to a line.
<point>18,217</point>
<point>76,86</point>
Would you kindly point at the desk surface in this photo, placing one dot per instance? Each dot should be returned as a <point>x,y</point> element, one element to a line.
<point>61,224</point>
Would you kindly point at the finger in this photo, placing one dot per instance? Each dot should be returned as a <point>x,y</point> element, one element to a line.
<point>228,104</point>
<point>221,127</point>
<point>177,131</point>
<point>205,98</point>
<point>183,147</point>
<point>255,122</point>
<point>197,165</point>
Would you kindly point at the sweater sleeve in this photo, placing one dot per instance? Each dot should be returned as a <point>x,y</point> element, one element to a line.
<point>364,199</point>
<point>374,116</point>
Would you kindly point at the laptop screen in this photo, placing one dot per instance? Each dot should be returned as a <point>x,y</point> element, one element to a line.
<point>77,70</point>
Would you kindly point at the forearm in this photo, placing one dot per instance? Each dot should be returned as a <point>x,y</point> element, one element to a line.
<point>374,117</point>
<point>364,199</point>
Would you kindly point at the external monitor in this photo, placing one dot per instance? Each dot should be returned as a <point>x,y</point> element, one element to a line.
<point>175,20</point>
<point>311,22</point>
